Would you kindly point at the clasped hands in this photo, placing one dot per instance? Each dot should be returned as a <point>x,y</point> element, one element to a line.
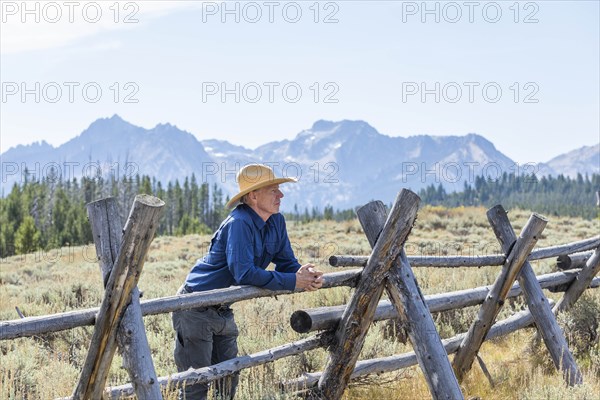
<point>309,278</point>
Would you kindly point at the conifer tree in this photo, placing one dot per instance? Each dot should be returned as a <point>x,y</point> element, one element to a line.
<point>27,237</point>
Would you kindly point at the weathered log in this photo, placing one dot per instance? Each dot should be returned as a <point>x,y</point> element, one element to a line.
<point>327,318</point>
<point>346,260</point>
<point>351,332</point>
<point>538,303</point>
<point>473,261</point>
<point>423,261</point>
<point>393,363</point>
<point>137,236</point>
<point>572,261</point>
<point>234,294</point>
<point>19,312</point>
<point>226,368</point>
<point>466,353</point>
<point>569,248</point>
<point>567,262</point>
<point>581,282</point>
<point>131,336</point>
<point>31,326</point>
<point>485,371</point>
<point>563,262</point>
<point>408,301</point>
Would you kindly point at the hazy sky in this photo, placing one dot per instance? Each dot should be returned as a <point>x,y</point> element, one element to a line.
<point>523,74</point>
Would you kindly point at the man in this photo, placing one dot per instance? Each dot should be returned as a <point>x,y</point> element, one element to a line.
<point>248,240</point>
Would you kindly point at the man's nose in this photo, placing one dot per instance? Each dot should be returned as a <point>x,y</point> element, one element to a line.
<point>279,194</point>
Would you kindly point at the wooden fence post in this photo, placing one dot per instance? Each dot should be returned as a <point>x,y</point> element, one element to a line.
<point>131,336</point>
<point>408,301</point>
<point>355,322</point>
<point>494,301</point>
<point>537,302</point>
<point>137,236</point>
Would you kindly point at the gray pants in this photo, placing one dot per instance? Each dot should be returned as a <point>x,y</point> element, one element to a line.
<point>205,336</point>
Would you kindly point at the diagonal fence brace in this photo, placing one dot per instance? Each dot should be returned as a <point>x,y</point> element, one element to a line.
<point>537,302</point>
<point>409,303</point>
<point>405,295</point>
<point>463,360</point>
<point>351,332</point>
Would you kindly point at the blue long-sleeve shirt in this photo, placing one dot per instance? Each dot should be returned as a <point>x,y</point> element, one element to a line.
<point>241,249</point>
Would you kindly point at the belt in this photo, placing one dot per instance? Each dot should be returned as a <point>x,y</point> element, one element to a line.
<point>218,307</point>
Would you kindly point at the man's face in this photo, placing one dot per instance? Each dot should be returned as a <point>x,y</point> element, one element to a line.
<point>267,201</point>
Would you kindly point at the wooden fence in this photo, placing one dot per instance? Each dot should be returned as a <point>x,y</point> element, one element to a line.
<point>118,321</point>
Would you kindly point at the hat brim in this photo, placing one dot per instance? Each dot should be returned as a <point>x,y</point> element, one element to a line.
<point>259,185</point>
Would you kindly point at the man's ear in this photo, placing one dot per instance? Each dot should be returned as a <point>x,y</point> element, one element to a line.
<point>252,195</point>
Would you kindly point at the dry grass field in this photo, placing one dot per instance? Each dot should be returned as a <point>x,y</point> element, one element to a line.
<point>47,366</point>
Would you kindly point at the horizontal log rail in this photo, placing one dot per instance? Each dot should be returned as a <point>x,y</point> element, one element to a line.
<point>225,368</point>
<point>511,324</point>
<point>473,261</point>
<point>572,261</point>
<point>581,282</point>
<point>32,326</point>
<point>326,318</point>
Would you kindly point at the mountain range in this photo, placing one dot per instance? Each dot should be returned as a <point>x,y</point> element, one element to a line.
<point>344,163</point>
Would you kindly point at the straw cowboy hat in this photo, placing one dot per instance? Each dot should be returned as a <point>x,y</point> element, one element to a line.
<point>255,176</point>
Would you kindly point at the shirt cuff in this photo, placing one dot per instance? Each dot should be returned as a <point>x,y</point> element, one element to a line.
<point>289,281</point>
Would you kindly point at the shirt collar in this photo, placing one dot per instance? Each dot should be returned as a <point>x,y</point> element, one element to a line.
<point>258,221</point>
